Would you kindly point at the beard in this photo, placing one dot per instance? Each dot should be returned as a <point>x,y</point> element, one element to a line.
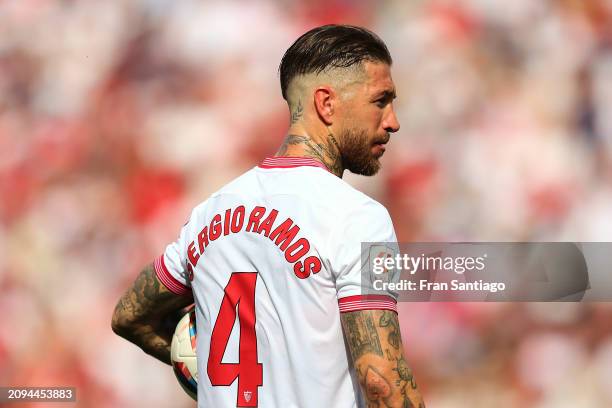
<point>357,154</point>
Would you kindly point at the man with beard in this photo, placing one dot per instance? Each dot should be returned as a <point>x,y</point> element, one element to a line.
<point>273,259</point>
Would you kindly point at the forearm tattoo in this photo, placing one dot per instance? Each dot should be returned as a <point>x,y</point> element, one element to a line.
<point>388,320</point>
<point>361,334</point>
<point>386,378</point>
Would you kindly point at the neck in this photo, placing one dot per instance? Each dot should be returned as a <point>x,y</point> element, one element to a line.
<point>299,143</point>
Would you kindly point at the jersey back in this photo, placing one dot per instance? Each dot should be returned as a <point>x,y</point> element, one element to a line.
<point>272,259</point>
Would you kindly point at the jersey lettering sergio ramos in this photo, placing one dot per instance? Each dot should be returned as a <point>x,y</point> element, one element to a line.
<point>272,259</point>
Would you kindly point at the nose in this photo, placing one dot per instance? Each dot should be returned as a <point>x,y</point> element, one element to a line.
<point>390,123</point>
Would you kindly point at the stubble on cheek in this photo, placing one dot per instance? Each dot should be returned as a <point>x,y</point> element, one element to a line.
<point>357,155</point>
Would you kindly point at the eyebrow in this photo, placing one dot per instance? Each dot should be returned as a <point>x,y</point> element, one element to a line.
<point>387,94</point>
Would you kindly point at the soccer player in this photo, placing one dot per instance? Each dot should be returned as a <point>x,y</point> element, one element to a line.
<point>273,259</point>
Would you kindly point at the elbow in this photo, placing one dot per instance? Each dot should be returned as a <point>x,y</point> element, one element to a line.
<point>121,324</point>
<point>126,326</point>
<point>118,326</point>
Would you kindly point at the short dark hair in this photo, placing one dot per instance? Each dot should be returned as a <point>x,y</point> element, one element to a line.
<point>330,46</point>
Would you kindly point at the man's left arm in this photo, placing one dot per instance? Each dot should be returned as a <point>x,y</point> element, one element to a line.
<point>375,345</point>
<point>142,312</point>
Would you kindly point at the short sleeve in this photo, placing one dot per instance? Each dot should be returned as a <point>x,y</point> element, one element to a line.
<point>171,266</point>
<point>369,223</point>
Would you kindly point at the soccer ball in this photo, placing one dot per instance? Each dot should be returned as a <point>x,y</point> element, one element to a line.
<point>183,354</point>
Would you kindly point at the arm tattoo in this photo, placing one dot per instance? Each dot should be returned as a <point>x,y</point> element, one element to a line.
<point>408,404</point>
<point>388,320</point>
<point>377,387</point>
<point>385,378</point>
<point>140,313</point>
<point>144,294</point>
<point>361,334</point>
<point>296,115</point>
<point>404,373</point>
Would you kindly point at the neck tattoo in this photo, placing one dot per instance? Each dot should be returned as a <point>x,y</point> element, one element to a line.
<point>323,152</point>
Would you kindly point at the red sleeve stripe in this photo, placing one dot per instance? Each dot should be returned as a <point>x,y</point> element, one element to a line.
<point>168,280</point>
<point>367,302</point>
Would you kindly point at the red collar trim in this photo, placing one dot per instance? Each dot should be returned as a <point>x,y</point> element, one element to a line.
<point>287,162</point>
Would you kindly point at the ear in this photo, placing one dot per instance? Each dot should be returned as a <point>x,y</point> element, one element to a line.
<point>324,100</point>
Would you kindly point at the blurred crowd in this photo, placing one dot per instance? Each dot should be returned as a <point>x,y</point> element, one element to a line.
<point>116,118</point>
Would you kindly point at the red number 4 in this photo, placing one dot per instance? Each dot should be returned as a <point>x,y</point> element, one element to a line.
<point>240,291</point>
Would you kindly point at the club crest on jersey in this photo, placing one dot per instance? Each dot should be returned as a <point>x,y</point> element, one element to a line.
<point>247,395</point>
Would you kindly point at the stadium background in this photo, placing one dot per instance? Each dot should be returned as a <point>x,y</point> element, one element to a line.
<point>117,117</point>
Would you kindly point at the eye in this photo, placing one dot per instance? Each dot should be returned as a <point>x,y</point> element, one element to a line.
<point>381,102</point>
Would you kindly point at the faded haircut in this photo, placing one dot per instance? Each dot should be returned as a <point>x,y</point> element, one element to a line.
<point>330,46</point>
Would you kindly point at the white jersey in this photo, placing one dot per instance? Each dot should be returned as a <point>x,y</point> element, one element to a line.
<point>272,259</point>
